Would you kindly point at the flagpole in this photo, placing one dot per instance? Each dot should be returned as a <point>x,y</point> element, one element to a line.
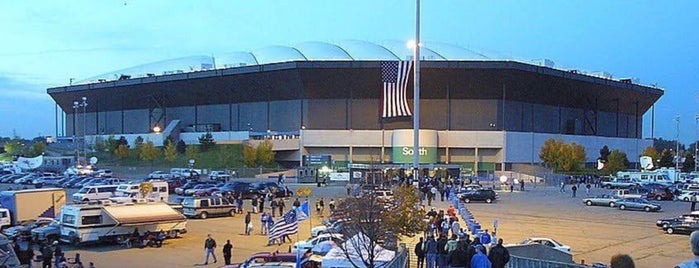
<point>416,95</point>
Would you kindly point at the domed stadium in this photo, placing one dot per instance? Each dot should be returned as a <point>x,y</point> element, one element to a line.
<point>478,111</point>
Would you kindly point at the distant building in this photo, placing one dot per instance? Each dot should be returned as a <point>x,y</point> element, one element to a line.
<point>314,99</point>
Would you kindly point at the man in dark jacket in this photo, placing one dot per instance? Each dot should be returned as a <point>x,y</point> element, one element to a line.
<point>499,255</point>
<point>247,223</point>
<point>442,251</point>
<point>227,252</point>
<point>420,253</point>
<point>459,258</point>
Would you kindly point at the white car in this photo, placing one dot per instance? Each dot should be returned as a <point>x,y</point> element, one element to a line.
<point>335,227</point>
<point>546,242</point>
<point>312,242</point>
<point>159,174</point>
<point>688,196</point>
<point>26,179</point>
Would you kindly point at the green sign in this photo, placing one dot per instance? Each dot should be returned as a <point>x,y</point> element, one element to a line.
<point>404,155</point>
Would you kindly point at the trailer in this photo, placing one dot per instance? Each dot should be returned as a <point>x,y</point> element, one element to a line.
<point>109,222</point>
<point>23,205</point>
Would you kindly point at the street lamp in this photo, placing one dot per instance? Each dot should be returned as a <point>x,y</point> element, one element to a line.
<point>76,105</point>
<point>696,143</point>
<point>84,105</point>
<point>677,143</point>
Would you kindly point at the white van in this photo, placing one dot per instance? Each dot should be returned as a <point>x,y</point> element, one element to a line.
<point>97,192</point>
<point>155,190</point>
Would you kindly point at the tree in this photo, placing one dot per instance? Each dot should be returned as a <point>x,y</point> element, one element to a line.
<point>122,151</point>
<point>652,153</point>
<point>616,162</point>
<point>111,143</point>
<point>100,144</point>
<point>661,145</point>
<point>225,155</point>
<point>170,151</point>
<point>207,141</point>
<point>192,152</point>
<point>377,219</point>
<point>604,154</point>
<point>571,157</point>
<point>666,159</point>
<point>138,144</point>
<point>14,147</point>
<point>181,147</point>
<point>249,155</point>
<point>149,152</point>
<point>550,152</point>
<point>38,148</point>
<point>122,141</point>
<point>689,163</point>
<point>264,153</point>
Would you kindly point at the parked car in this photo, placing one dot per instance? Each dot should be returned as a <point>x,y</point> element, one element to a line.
<point>206,191</point>
<point>186,186</point>
<point>546,242</point>
<point>335,227</point>
<point>219,175</point>
<point>312,242</point>
<point>487,195</point>
<point>664,222</point>
<point>682,227</point>
<point>191,191</point>
<point>637,204</point>
<point>266,257</point>
<point>26,179</point>
<point>159,174</point>
<point>48,233</point>
<point>659,193</point>
<point>688,196</point>
<point>601,200</point>
<point>616,183</point>
<point>24,228</point>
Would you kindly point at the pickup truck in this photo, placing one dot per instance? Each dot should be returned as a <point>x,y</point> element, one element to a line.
<point>630,193</point>
<point>616,183</point>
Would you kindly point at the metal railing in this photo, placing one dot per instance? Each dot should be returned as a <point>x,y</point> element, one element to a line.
<point>401,260</point>
<point>521,262</point>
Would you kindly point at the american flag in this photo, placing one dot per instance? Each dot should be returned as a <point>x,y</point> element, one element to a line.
<point>394,75</point>
<point>286,225</point>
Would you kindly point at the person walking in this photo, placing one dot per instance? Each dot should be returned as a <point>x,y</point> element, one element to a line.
<point>331,205</point>
<point>57,252</point>
<point>46,253</point>
<point>209,246</point>
<point>420,253</point>
<point>263,223</point>
<point>431,251</point>
<point>227,252</point>
<point>247,223</point>
<point>296,203</point>
<point>694,245</point>
<point>281,206</point>
<point>273,205</point>
<point>625,261</point>
<point>563,187</point>
<point>480,260</point>
<point>587,189</point>
<point>574,189</point>
<point>499,256</point>
<point>262,204</point>
<point>442,251</point>
<point>239,203</point>
<point>322,206</point>
<point>254,203</point>
<point>521,185</point>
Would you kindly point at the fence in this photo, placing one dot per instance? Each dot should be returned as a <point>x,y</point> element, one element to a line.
<point>521,262</point>
<point>401,260</point>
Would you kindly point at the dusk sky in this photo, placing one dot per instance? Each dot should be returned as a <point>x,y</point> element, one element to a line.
<point>45,43</point>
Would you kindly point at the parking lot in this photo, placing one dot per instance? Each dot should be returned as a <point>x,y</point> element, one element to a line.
<point>594,233</point>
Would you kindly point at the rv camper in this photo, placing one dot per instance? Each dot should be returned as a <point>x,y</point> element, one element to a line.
<point>645,177</point>
<point>108,222</point>
<point>151,191</point>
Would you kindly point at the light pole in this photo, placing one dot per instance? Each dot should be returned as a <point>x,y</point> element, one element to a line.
<point>76,105</point>
<point>677,143</point>
<point>696,143</point>
<point>84,105</point>
<point>416,94</point>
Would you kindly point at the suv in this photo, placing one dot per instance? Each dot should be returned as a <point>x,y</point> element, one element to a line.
<point>487,195</point>
<point>219,175</point>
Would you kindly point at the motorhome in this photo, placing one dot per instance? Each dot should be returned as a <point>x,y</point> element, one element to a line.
<point>109,222</point>
<point>152,191</point>
<point>645,177</point>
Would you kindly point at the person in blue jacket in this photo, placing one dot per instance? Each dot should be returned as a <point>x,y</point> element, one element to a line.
<point>431,251</point>
<point>480,260</point>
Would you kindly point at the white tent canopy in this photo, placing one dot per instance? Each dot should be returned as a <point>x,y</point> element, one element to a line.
<point>336,257</point>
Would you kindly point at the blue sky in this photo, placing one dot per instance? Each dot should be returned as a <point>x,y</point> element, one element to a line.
<point>45,43</point>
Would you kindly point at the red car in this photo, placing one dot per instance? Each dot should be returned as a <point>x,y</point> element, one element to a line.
<point>206,191</point>
<point>264,257</point>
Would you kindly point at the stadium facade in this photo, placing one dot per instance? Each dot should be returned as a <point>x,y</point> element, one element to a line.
<point>319,99</point>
